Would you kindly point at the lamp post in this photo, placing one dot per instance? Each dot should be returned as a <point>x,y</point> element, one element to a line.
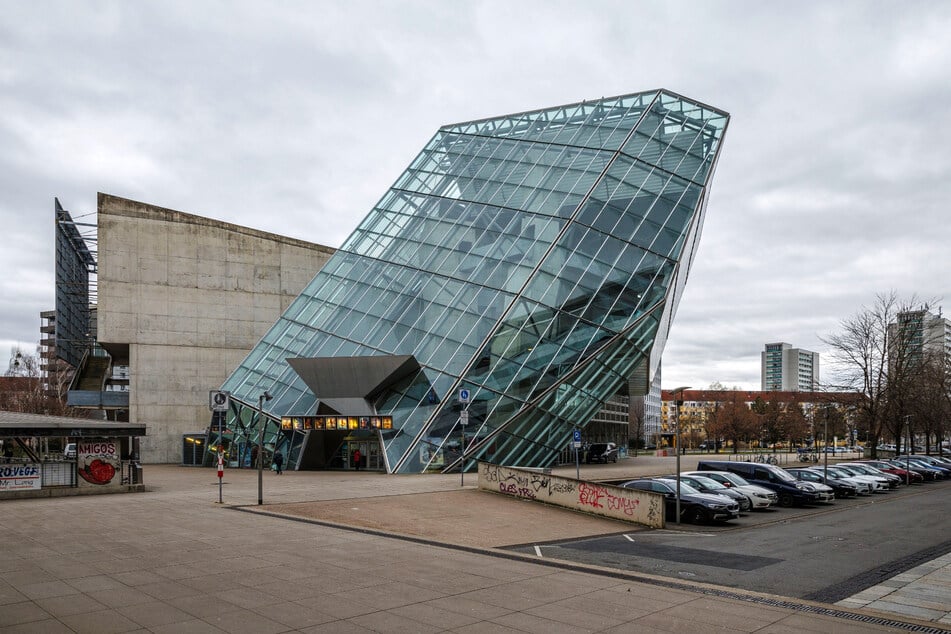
<point>908,451</point>
<point>266,396</point>
<point>680,402</point>
<point>825,439</point>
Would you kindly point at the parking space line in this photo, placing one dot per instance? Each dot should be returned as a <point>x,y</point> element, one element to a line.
<point>628,537</point>
<point>538,551</point>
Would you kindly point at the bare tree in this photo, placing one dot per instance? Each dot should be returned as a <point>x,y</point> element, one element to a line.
<point>732,420</point>
<point>871,356</point>
<point>32,396</point>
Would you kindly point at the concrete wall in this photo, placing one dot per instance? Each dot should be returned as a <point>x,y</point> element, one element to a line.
<point>190,296</point>
<point>630,505</point>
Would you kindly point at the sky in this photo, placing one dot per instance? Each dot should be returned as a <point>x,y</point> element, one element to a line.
<point>295,118</point>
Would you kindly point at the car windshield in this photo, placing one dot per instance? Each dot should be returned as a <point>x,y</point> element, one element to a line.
<point>782,474</point>
<point>707,483</point>
<point>684,487</point>
<point>735,479</point>
<point>809,475</point>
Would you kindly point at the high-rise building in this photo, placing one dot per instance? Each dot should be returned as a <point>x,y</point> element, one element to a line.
<point>923,334</point>
<point>518,273</point>
<point>787,369</point>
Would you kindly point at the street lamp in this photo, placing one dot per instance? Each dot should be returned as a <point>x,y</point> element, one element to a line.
<point>680,402</point>
<point>908,451</point>
<point>266,396</point>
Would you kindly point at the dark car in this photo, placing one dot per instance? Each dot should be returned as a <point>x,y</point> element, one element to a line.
<point>881,465</point>
<point>694,506</point>
<point>788,488</point>
<point>602,452</point>
<point>709,485</point>
<point>926,463</point>
<point>841,488</point>
<point>926,474</point>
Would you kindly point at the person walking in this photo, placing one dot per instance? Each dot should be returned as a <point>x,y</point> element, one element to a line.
<point>279,462</point>
<point>356,459</point>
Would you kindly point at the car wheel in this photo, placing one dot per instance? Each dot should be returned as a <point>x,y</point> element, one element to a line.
<point>785,499</point>
<point>694,515</point>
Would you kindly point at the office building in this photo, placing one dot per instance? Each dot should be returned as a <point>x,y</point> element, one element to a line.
<point>788,369</point>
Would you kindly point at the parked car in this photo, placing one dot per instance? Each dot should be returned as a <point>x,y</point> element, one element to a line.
<point>694,506</point>
<point>789,490</point>
<point>876,485</point>
<point>602,452</point>
<point>69,451</point>
<point>862,485</point>
<point>929,475</point>
<point>927,462</point>
<point>886,467</point>
<point>893,480</point>
<point>841,488</point>
<point>760,497</point>
<point>707,485</point>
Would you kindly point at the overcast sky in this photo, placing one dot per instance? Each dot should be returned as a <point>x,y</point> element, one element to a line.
<point>833,183</point>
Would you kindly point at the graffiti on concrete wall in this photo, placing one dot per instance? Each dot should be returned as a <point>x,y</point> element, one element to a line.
<point>602,499</point>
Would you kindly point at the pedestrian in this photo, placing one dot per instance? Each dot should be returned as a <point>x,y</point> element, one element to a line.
<point>356,459</point>
<point>279,462</point>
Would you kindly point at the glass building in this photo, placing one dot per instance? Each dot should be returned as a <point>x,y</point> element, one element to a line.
<point>518,273</point>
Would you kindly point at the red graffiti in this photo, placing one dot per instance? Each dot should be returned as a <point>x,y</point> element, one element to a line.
<point>591,495</point>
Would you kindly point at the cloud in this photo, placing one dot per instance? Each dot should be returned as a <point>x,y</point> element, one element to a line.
<point>296,117</point>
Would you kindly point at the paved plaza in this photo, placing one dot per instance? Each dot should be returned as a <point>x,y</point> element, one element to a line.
<point>174,560</point>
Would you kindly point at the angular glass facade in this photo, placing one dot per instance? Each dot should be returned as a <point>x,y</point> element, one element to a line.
<point>534,260</point>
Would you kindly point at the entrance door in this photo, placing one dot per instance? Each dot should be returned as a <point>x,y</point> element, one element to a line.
<point>371,457</point>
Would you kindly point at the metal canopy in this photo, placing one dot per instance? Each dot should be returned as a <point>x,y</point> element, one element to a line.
<point>18,425</point>
<point>346,384</point>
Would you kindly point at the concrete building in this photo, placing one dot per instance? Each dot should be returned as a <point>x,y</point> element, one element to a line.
<point>923,334</point>
<point>788,369</point>
<point>181,301</point>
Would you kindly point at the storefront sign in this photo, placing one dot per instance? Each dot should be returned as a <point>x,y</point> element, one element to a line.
<point>18,477</point>
<point>97,462</point>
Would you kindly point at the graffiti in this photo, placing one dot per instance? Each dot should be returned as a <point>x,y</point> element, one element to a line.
<point>625,505</point>
<point>593,496</point>
<point>517,491</point>
<point>590,495</point>
<point>561,487</point>
<point>653,511</point>
<point>540,482</point>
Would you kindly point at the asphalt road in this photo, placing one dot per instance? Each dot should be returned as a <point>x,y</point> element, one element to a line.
<point>824,552</point>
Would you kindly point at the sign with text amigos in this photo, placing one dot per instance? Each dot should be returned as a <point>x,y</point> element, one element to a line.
<point>97,462</point>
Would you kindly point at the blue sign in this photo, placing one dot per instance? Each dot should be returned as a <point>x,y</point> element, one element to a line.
<point>576,436</point>
<point>463,395</point>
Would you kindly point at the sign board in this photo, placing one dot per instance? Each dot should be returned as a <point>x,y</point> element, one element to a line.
<point>576,438</point>
<point>463,395</point>
<point>97,462</point>
<point>17,477</point>
<point>218,400</point>
<point>464,417</point>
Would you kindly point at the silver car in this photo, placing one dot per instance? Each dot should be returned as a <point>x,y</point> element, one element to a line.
<point>759,497</point>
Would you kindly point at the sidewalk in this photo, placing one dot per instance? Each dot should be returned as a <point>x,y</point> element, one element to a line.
<point>173,560</point>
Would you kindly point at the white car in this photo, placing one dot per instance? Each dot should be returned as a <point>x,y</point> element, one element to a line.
<point>884,482</point>
<point>760,497</point>
<point>873,484</point>
<point>69,451</point>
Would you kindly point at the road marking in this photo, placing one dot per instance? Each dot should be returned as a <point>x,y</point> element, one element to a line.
<point>628,537</point>
<point>538,551</point>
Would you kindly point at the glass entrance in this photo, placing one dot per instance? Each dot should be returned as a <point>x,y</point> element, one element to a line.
<point>371,456</point>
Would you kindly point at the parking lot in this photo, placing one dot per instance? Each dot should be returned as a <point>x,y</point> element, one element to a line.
<point>825,551</point>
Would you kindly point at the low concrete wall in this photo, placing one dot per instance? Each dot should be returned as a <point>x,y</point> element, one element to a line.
<point>629,505</point>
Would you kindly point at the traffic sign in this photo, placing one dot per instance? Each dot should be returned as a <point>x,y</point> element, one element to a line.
<point>463,395</point>
<point>576,438</point>
<point>464,417</point>
<point>218,400</point>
